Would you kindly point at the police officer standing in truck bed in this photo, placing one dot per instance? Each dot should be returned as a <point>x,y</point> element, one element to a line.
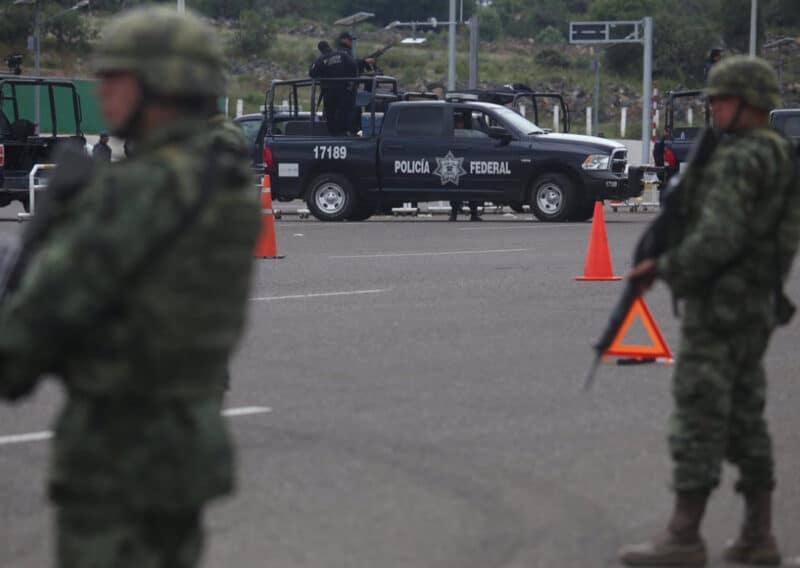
<point>338,96</point>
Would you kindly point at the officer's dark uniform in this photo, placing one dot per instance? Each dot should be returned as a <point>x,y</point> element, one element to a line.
<point>338,96</point>
<point>102,151</point>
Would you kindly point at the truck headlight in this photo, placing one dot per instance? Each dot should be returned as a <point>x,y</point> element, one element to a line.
<point>596,162</point>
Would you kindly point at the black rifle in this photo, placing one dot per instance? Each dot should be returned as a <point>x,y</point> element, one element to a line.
<point>652,244</point>
<point>377,53</point>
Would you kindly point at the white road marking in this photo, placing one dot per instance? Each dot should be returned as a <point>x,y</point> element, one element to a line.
<point>319,295</point>
<point>23,438</point>
<point>41,436</point>
<point>246,411</point>
<point>525,227</point>
<point>440,253</point>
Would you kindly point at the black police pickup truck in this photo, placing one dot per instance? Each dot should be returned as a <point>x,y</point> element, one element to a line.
<point>22,146</point>
<point>436,150</point>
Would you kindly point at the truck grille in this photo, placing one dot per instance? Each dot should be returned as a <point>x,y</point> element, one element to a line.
<point>619,159</point>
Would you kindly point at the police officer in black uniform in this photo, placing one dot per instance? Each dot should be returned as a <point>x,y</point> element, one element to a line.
<point>338,96</point>
<point>345,43</point>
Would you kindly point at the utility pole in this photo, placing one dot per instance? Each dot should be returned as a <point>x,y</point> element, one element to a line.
<point>474,43</point>
<point>37,16</point>
<point>753,26</point>
<point>596,113</point>
<point>647,84</point>
<point>451,48</point>
<point>181,6</point>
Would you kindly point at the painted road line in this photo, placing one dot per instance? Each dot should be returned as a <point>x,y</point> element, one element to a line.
<point>41,436</point>
<point>319,295</point>
<point>25,438</point>
<point>439,253</point>
<point>525,227</point>
<point>246,411</point>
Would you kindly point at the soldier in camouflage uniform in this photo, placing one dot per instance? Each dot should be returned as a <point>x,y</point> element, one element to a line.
<point>727,262</point>
<point>135,298</point>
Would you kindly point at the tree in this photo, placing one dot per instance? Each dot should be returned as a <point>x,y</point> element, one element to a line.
<point>255,34</point>
<point>16,24</point>
<point>70,29</point>
<point>489,24</point>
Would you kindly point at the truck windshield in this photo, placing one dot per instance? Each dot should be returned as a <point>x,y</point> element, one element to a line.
<point>518,123</point>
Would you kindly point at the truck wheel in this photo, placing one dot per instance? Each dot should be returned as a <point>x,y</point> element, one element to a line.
<point>552,197</point>
<point>331,197</point>
<point>364,209</point>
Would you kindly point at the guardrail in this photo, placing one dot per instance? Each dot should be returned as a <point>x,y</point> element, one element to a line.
<point>33,187</point>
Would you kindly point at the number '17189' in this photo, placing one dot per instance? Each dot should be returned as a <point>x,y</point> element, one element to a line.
<point>330,152</point>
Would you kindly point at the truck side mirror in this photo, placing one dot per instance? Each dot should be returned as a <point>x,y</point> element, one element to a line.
<point>500,133</point>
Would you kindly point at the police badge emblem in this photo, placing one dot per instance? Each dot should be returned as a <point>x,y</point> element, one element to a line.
<point>450,169</point>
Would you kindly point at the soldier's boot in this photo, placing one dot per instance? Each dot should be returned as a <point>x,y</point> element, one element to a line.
<point>756,545</point>
<point>474,217</point>
<point>681,543</point>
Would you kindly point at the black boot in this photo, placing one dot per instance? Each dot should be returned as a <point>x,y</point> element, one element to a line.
<point>681,544</point>
<point>756,545</point>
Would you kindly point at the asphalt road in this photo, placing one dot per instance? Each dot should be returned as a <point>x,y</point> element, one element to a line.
<point>419,405</point>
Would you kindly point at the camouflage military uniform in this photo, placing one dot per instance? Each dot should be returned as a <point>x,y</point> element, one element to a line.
<point>725,268</point>
<point>138,309</point>
<point>739,214</point>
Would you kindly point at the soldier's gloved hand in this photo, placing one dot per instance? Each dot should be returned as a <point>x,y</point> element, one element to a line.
<point>643,275</point>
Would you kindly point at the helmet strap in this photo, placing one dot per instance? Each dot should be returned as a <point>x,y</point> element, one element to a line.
<point>732,125</point>
<point>132,127</point>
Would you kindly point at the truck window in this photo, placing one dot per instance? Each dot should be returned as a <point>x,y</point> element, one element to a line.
<point>470,124</point>
<point>250,130</point>
<point>688,118</point>
<point>420,121</point>
<point>791,126</point>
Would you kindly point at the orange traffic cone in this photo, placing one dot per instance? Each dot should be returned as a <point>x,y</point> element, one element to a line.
<point>598,257</point>
<point>266,245</point>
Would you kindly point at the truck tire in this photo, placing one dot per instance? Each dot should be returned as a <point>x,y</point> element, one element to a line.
<point>553,197</point>
<point>364,209</point>
<point>331,197</point>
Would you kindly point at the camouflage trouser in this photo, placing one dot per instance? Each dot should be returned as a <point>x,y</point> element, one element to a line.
<point>719,389</point>
<point>99,537</point>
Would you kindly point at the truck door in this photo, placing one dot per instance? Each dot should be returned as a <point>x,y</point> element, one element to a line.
<point>491,167</point>
<point>411,139</point>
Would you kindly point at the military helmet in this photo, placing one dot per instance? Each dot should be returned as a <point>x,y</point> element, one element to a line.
<point>173,54</point>
<point>750,78</point>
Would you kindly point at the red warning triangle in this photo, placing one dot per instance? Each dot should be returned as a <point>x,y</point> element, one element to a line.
<point>658,348</point>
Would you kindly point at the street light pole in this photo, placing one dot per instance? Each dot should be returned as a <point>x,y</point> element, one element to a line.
<point>753,26</point>
<point>451,48</point>
<point>181,6</point>
<point>37,17</point>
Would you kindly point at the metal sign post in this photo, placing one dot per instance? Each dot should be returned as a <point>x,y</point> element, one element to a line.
<point>640,31</point>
